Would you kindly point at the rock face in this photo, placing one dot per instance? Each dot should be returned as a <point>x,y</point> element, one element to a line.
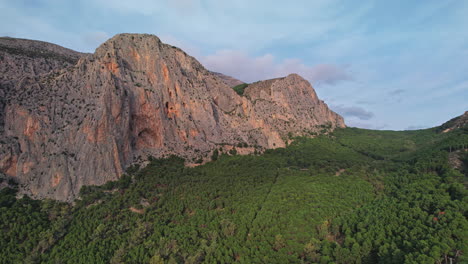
<point>457,122</point>
<point>22,57</point>
<point>290,106</point>
<point>134,97</point>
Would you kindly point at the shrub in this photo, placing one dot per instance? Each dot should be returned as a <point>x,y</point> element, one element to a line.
<point>240,88</point>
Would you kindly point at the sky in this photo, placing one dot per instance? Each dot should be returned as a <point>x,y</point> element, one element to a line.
<point>391,65</point>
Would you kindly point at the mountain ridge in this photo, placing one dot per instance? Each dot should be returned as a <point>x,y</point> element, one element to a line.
<point>136,97</point>
<point>454,123</point>
<point>229,80</point>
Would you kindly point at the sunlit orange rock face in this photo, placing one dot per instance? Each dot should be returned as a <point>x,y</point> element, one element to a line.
<point>85,123</point>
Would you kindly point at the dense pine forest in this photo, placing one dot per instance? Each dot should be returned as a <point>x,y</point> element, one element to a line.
<point>351,196</point>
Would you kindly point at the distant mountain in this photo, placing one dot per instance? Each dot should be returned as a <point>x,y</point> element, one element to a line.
<point>70,119</point>
<point>228,80</point>
<point>23,57</point>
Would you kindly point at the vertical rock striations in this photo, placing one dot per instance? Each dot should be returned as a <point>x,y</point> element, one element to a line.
<point>135,97</point>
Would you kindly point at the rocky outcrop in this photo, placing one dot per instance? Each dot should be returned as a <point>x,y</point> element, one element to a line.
<point>136,97</point>
<point>457,122</point>
<point>290,106</point>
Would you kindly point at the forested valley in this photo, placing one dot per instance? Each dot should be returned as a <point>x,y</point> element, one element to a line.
<point>350,196</point>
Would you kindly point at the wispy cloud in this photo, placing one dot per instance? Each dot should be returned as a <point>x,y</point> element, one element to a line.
<point>353,111</point>
<point>238,64</point>
<point>396,92</point>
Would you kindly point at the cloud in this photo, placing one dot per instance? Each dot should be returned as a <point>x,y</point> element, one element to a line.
<point>239,65</point>
<point>365,102</point>
<point>353,111</point>
<point>329,74</point>
<point>396,92</point>
<point>249,69</point>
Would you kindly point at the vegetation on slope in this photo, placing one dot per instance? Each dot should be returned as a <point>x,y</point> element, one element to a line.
<point>240,88</point>
<point>355,196</point>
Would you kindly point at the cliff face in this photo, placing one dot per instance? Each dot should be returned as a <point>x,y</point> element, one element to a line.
<point>20,58</point>
<point>132,98</point>
<point>290,106</point>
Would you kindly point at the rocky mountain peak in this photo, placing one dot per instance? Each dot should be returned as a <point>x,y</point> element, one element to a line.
<point>123,45</point>
<point>133,98</point>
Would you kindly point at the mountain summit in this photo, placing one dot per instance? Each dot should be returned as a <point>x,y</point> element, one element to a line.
<point>90,116</point>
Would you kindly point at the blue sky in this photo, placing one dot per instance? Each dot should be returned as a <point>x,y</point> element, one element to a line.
<point>381,64</point>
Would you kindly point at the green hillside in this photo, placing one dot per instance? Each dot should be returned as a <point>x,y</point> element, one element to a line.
<point>354,196</point>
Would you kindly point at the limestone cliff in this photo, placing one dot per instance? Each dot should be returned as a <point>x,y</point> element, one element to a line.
<point>290,106</point>
<point>135,97</point>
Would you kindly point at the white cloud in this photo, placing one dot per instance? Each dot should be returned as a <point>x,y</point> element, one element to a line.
<point>353,111</point>
<point>249,69</point>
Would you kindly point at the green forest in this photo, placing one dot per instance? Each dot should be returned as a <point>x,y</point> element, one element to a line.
<point>350,196</point>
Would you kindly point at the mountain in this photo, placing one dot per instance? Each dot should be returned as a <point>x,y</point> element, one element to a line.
<point>351,196</point>
<point>24,57</point>
<point>93,115</point>
<point>454,123</point>
<point>228,80</point>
